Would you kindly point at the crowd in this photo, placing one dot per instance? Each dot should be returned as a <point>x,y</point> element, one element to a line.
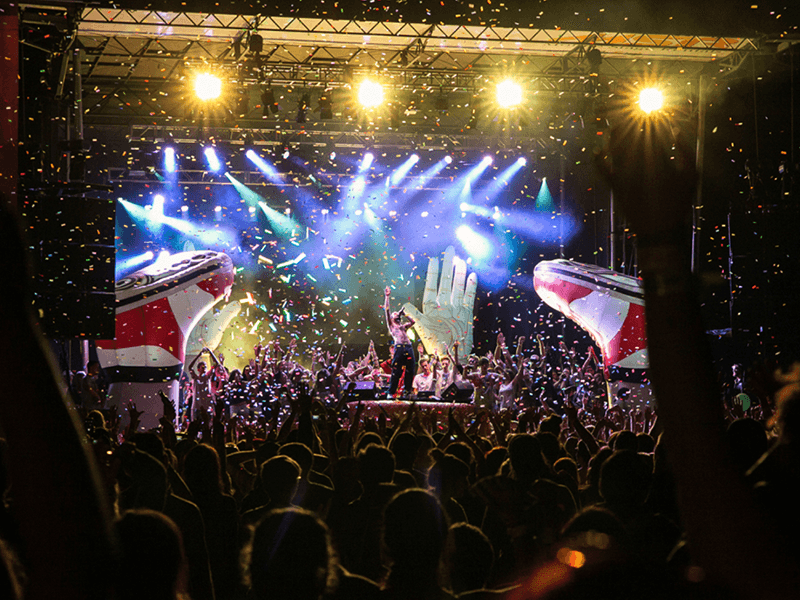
<point>498,380</point>
<point>543,494</point>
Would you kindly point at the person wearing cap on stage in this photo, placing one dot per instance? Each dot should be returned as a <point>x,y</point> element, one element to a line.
<point>425,380</point>
<point>398,324</point>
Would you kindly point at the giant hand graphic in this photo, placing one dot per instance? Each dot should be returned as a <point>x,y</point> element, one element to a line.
<point>209,331</point>
<point>447,306</point>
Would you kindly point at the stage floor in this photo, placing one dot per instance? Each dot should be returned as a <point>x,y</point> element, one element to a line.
<point>397,409</point>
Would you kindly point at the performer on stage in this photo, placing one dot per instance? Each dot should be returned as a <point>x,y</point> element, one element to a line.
<point>399,323</point>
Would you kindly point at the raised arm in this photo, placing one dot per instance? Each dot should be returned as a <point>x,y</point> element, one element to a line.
<point>725,526</point>
<point>387,307</point>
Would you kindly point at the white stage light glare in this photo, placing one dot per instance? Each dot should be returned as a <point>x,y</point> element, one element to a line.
<point>509,94</point>
<point>448,159</point>
<point>207,86</point>
<point>651,100</point>
<point>370,94</point>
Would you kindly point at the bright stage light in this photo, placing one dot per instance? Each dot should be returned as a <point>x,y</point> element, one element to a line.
<point>158,206</point>
<point>184,209</point>
<point>263,166</point>
<point>213,160</point>
<point>403,170</point>
<point>487,160</point>
<point>170,164</point>
<point>370,94</point>
<point>448,159</point>
<point>509,94</point>
<point>477,246</point>
<point>522,161</point>
<point>124,266</point>
<point>366,161</point>
<point>207,86</point>
<point>651,100</point>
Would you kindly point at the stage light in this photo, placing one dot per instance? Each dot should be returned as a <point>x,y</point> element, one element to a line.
<point>207,86</point>
<point>268,103</point>
<point>213,160</point>
<point>476,245</point>
<point>509,94</point>
<point>487,160</point>
<point>325,106</point>
<point>123,266</point>
<point>448,159</point>
<point>651,100</point>
<point>402,170</point>
<point>285,153</point>
<point>522,161</point>
<point>170,164</point>
<point>158,206</point>
<point>302,108</point>
<point>370,94</point>
<point>184,209</point>
<point>366,162</point>
<point>324,211</point>
<point>263,166</point>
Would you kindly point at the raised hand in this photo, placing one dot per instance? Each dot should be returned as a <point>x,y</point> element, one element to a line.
<point>169,408</point>
<point>447,305</point>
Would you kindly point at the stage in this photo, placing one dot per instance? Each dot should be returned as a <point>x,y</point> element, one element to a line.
<point>397,409</point>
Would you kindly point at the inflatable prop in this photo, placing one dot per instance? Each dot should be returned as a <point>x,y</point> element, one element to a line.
<point>607,305</point>
<point>447,306</point>
<point>156,309</point>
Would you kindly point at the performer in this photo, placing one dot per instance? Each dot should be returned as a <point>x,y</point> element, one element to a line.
<point>398,324</point>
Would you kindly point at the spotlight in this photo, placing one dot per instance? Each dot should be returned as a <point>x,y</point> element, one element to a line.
<point>366,161</point>
<point>522,161</point>
<point>158,205</point>
<point>487,160</point>
<point>184,209</point>
<point>448,159</point>
<point>509,94</point>
<point>325,106</point>
<point>256,43</point>
<point>268,103</point>
<point>595,58</point>
<point>169,160</point>
<point>207,86</point>
<point>370,94</point>
<point>650,100</point>
<point>213,160</point>
<point>302,107</point>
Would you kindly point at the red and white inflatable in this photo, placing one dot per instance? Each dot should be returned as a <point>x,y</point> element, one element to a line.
<point>157,307</point>
<point>607,305</point>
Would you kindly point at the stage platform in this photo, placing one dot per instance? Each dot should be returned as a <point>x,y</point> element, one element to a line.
<point>397,408</point>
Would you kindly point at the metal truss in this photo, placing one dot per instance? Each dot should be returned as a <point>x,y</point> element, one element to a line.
<point>135,67</point>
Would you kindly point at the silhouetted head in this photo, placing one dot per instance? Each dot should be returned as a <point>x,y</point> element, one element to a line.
<point>289,557</point>
<point>153,564</point>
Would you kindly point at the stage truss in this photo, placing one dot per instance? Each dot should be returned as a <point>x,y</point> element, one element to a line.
<point>135,68</point>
